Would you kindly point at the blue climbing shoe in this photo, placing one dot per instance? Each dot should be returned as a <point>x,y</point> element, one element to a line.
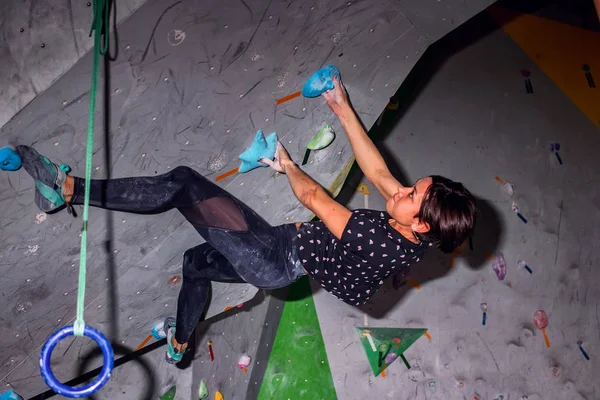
<point>9,160</point>
<point>49,178</point>
<point>172,356</point>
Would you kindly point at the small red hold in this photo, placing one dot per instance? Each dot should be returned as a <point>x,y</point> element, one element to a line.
<point>210,351</point>
<point>174,279</point>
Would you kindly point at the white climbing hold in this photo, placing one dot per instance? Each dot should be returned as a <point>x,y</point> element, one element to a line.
<point>322,139</point>
<point>174,37</point>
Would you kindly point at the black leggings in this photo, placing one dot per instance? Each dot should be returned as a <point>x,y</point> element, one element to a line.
<point>240,246</point>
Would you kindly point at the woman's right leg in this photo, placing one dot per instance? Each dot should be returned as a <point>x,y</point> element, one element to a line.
<point>261,254</point>
<point>179,188</point>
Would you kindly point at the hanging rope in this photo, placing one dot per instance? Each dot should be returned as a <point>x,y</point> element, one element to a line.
<point>100,30</point>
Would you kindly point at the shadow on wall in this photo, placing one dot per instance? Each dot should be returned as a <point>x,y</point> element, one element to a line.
<point>579,13</point>
<point>435,265</point>
<point>126,355</point>
<point>121,350</point>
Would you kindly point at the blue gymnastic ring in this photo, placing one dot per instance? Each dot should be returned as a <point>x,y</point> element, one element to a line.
<point>90,388</point>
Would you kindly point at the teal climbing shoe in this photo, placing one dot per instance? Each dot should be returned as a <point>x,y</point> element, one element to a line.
<point>49,178</point>
<point>172,356</point>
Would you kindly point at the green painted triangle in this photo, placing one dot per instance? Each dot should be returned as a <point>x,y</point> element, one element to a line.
<point>298,367</point>
<point>169,395</point>
<point>384,345</point>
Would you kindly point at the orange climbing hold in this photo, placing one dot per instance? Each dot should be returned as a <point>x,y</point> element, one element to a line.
<point>144,342</point>
<point>452,257</point>
<point>413,284</point>
<point>226,174</point>
<point>427,335</point>
<point>288,97</point>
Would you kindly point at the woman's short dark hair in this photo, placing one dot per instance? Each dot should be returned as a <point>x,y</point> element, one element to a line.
<point>449,209</point>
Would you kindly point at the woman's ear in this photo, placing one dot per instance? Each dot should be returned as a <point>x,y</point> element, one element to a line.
<point>420,227</point>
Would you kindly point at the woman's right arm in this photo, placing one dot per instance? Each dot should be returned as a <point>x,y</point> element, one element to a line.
<point>367,156</point>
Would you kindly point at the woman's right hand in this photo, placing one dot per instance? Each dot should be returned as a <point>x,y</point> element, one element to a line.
<point>337,99</point>
<point>281,161</point>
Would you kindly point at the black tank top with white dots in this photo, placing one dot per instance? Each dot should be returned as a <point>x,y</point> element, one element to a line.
<point>354,267</point>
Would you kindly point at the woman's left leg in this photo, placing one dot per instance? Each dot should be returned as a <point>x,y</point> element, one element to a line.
<point>201,265</point>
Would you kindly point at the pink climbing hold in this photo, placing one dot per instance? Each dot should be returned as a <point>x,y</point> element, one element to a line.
<point>499,266</point>
<point>244,361</point>
<point>390,357</point>
<point>540,319</point>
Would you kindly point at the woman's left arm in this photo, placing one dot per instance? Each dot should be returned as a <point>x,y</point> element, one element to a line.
<point>311,194</point>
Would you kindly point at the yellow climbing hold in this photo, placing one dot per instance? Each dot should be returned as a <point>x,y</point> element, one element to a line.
<point>363,188</point>
<point>218,396</point>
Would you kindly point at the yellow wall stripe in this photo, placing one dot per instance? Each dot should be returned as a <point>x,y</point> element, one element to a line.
<point>560,50</point>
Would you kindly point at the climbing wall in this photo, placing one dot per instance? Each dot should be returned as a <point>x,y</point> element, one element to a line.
<point>475,119</point>
<point>41,41</point>
<point>192,82</point>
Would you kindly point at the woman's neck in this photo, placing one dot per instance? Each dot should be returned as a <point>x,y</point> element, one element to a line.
<point>405,231</point>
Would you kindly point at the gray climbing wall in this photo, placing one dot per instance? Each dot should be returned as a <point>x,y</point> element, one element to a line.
<point>247,330</point>
<point>193,82</point>
<point>472,121</point>
<point>41,41</point>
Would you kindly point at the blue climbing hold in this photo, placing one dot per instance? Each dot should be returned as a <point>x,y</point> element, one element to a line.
<point>321,81</point>
<point>261,147</point>
<point>10,395</point>
<point>9,160</point>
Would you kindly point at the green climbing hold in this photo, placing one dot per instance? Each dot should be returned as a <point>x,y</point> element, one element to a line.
<point>169,394</point>
<point>202,390</point>
<point>322,139</point>
<point>384,345</point>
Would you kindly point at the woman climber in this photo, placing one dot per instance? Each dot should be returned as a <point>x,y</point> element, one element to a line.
<point>350,253</point>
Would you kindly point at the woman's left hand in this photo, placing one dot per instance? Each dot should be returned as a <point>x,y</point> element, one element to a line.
<point>282,159</point>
